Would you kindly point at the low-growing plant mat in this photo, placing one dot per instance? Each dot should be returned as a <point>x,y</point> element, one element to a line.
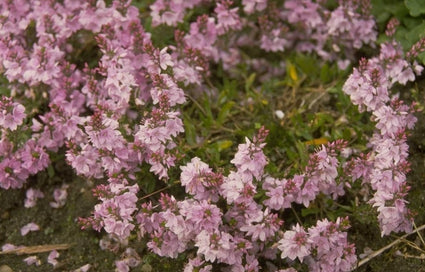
<point>59,227</point>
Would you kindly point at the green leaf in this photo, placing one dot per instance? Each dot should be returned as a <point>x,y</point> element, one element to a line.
<point>224,112</point>
<point>421,57</point>
<point>189,129</point>
<point>292,155</point>
<point>208,117</point>
<point>410,22</point>
<point>325,73</point>
<point>302,151</point>
<point>415,7</point>
<point>398,9</point>
<point>385,9</point>
<point>249,81</point>
<point>307,64</point>
<point>225,144</point>
<point>308,211</point>
<point>149,186</point>
<point>415,34</point>
<point>50,171</point>
<point>214,154</point>
<point>292,72</point>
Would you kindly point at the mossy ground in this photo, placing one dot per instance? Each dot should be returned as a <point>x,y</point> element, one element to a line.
<point>57,226</point>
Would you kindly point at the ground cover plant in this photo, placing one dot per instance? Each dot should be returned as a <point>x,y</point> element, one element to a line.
<point>196,135</point>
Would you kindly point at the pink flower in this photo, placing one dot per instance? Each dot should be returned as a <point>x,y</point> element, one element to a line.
<point>263,226</point>
<point>122,266</point>
<point>250,159</point>
<point>393,219</point>
<point>281,193</point>
<point>43,65</point>
<point>304,12</point>
<point>7,247</point>
<point>29,227</point>
<point>51,259</point>
<point>199,180</point>
<point>60,195</point>
<point>309,190</point>
<point>131,259</point>
<point>103,132</point>
<point>233,186</point>
<point>295,244</point>
<point>12,114</point>
<point>214,246</point>
<point>12,175</point>
<point>165,59</point>
<point>32,260</point>
<point>250,5</point>
<point>34,157</point>
<point>115,213</point>
<point>202,215</point>
<point>31,197</point>
<point>274,41</point>
<point>120,228</point>
<point>228,19</point>
<point>85,161</point>
<point>84,268</point>
<point>168,12</point>
<point>197,263</point>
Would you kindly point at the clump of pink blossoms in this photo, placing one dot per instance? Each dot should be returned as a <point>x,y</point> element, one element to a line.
<point>385,167</point>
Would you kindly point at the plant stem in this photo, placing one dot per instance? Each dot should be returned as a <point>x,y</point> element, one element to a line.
<point>379,251</point>
<point>36,249</point>
<point>296,215</point>
<point>157,191</point>
<point>197,104</point>
<point>419,234</point>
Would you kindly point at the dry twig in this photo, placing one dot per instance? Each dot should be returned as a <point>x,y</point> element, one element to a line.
<point>35,249</point>
<point>379,251</point>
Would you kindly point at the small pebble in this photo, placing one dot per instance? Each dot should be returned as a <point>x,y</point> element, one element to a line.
<point>279,114</point>
<point>5,268</point>
<point>145,268</point>
<point>5,215</point>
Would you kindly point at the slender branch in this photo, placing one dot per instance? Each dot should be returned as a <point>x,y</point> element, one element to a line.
<point>197,104</point>
<point>158,191</point>
<point>413,245</point>
<point>379,251</point>
<point>209,83</point>
<point>419,234</point>
<point>405,255</point>
<point>296,215</point>
<point>35,249</point>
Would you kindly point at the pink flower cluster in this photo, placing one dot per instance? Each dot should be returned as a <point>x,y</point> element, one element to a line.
<point>18,163</point>
<point>223,223</point>
<point>170,12</point>
<point>320,177</point>
<point>12,114</point>
<point>385,167</point>
<point>323,247</point>
<point>332,34</point>
<point>115,213</point>
<point>97,112</point>
<point>304,26</point>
